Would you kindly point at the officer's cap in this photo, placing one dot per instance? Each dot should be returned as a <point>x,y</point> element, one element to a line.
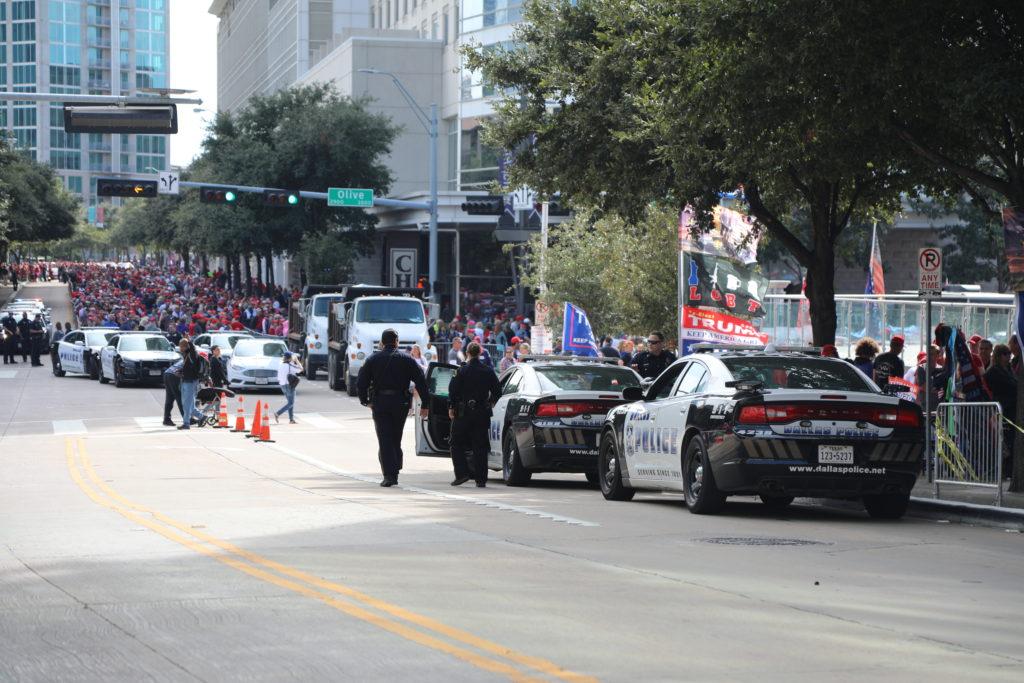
<point>388,336</point>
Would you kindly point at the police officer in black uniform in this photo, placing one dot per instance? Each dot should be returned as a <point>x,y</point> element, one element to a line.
<point>37,337</point>
<point>472,392</point>
<point>11,340</point>
<point>383,385</point>
<point>24,339</point>
<point>650,363</point>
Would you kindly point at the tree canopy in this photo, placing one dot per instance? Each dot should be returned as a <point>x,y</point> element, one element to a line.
<point>34,205</point>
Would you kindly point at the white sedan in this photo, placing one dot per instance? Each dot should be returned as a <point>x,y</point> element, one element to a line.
<point>254,363</point>
<point>224,340</point>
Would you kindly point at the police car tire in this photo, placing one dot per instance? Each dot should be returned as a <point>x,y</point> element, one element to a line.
<point>706,499</point>
<point>118,379</point>
<point>512,470</point>
<point>58,369</point>
<point>92,367</point>
<point>887,505</point>
<point>612,487</point>
<point>776,502</point>
<point>102,379</point>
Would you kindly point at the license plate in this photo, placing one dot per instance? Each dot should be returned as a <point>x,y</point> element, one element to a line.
<point>835,455</point>
<point>267,381</point>
<point>154,373</point>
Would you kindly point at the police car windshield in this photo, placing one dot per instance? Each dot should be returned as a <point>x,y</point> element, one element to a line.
<point>323,304</point>
<point>389,311</point>
<point>780,372</point>
<point>599,378</point>
<point>98,338</point>
<point>246,348</point>
<point>134,343</point>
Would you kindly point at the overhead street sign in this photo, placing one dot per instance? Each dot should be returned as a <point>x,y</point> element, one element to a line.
<point>929,272</point>
<point>169,183</point>
<point>350,197</point>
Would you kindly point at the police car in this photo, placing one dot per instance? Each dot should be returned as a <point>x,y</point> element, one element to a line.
<point>548,419</point>
<point>136,357</point>
<point>79,351</point>
<point>224,340</point>
<point>773,424</point>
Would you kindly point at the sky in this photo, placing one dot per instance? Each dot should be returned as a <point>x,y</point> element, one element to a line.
<point>193,67</point>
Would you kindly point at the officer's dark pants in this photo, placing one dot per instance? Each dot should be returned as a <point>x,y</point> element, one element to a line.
<point>10,344</point>
<point>389,420</point>
<point>26,344</point>
<point>470,433</point>
<point>172,396</point>
<point>36,346</point>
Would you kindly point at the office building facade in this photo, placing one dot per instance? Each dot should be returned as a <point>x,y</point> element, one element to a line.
<point>89,47</point>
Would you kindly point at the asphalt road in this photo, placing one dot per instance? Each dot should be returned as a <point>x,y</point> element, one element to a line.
<point>133,552</point>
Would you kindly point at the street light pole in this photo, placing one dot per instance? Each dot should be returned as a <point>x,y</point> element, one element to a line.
<point>429,122</point>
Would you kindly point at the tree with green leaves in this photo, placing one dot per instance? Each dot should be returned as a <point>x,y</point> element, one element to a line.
<point>34,205</point>
<point>676,102</point>
<point>618,270</point>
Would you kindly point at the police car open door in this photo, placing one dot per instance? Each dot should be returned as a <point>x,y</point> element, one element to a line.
<point>433,431</point>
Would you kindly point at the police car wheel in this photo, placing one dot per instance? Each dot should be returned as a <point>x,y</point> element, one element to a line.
<point>58,369</point>
<point>887,506</point>
<point>92,368</point>
<point>118,379</point>
<point>776,502</point>
<point>702,495</point>
<point>100,376</point>
<point>609,469</point>
<point>512,470</point>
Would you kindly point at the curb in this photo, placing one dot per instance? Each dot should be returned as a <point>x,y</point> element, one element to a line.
<point>967,513</point>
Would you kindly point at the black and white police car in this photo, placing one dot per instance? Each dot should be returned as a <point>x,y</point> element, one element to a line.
<point>548,419</point>
<point>79,351</point>
<point>137,358</point>
<point>774,424</point>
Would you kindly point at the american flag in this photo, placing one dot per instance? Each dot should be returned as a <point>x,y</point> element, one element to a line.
<point>876,278</point>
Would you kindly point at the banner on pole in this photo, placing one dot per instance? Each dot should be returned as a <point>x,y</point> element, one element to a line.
<point>715,327</point>
<point>1013,236</point>
<point>577,335</point>
<point>715,282</point>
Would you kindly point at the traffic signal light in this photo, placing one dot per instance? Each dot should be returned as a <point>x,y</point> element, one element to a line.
<point>125,187</point>
<point>485,206</point>
<point>280,198</point>
<point>217,195</point>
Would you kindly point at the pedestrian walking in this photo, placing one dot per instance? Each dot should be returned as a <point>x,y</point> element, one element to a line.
<point>172,391</point>
<point>190,372</point>
<point>471,393</point>
<point>288,379</point>
<point>650,363</point>
<point>383,385</point>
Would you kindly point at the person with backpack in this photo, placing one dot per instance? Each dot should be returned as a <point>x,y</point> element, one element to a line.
<point>288,379</point>
<point>191,372</point>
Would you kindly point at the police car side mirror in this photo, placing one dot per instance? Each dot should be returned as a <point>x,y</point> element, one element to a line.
<point>633,394</point>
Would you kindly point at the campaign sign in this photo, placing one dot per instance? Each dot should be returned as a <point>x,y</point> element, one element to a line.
<point>714,327</point>
<point>715,282</point>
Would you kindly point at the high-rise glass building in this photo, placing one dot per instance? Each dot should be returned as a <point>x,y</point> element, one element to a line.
<point>93,47</point>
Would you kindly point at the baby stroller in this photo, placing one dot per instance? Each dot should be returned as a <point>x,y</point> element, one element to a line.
<point>208,404</point>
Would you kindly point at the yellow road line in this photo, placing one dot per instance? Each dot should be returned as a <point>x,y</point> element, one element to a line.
<point>125,506</point>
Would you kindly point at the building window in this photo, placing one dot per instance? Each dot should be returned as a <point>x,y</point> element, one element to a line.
<point>444,26</point>
<point>23,54</point>
<point>25,32</point>
<point>74,183</point>
<point>478,162</point>
<point>434,26</point>
<point>23,9</point>
<point>405,8</point>
<point>478,14</point>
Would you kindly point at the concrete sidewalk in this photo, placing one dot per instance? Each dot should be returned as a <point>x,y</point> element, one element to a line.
<point>970,504</point>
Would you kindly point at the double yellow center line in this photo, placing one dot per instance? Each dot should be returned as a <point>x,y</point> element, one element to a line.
<point>416,628</point>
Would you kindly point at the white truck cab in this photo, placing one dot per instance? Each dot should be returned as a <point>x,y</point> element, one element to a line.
<point>315,328</point>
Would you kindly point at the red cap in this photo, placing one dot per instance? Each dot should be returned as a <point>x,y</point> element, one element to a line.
<point>829,351</point>
<point>515,340</point>
<point>921,356</point>
<point>976,338</point>
<point>899,338</point>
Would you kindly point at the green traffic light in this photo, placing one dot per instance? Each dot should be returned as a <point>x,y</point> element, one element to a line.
<point>229,196</point>
<point>293,199</point>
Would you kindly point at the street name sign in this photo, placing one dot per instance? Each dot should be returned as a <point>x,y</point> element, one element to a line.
<point>349,197</point>
<point>929,272</point>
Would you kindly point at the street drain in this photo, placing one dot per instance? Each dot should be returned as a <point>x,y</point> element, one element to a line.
<point>758,540</point>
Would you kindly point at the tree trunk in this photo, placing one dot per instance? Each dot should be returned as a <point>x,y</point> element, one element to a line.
<point>236,283</point>
<point>206,263</point>
<point>227,271</point>
<point>185,261</point>
<point>259,268</point>
<point>248,274</point>
<point>821,290</point>
<point>271,280</point>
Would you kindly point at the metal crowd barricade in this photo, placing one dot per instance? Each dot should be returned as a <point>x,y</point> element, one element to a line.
<point>969,446</point>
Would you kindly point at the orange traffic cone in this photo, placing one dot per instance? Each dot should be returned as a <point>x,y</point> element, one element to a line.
<point>254,433</point>
<point>240,418</point>
<point>222,417</point>
<point>265,431</point>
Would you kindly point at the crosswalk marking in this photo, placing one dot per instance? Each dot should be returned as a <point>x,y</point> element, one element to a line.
<point>8,374</point>
<point>149,422</point>
<point>63,427</point>
<point>317,420</point>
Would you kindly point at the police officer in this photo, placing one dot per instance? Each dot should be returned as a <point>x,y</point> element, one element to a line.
<point>10,341</point>
<point>24,338</point>
<point>650,363</point>
<point>383,385</point>
<point>472,392</point>
<point>37,337</point>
